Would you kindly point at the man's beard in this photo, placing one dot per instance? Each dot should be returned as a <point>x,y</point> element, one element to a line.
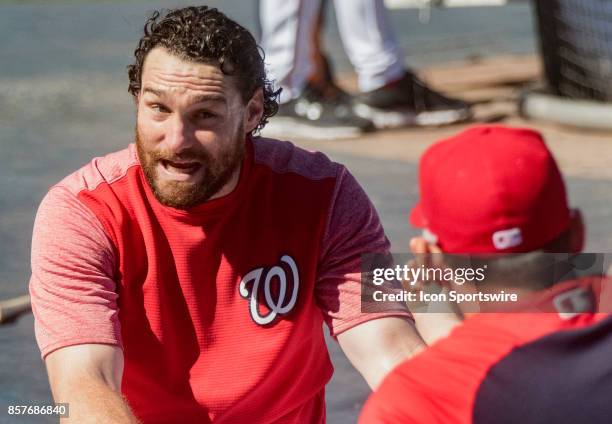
<point>183,195</point>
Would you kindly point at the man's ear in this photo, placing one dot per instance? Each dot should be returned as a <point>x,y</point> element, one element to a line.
<point>576,230</point>
<point>254,111</point>
<point>425,253</point>
<point>420,245</point>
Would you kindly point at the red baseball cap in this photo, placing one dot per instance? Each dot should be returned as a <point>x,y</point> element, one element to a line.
<point>491,189</point>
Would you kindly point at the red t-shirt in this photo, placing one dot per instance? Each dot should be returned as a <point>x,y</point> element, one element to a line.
<point>219,308</point>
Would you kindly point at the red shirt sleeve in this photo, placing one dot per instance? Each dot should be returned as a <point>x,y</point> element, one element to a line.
<point>74,297</point>
<point>353,230</point>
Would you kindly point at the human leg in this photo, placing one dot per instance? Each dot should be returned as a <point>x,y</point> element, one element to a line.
<point>293,51</point>
<point>392,95</point>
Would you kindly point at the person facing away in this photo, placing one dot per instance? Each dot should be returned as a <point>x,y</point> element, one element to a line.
<point>186,277</point>
<point>492,197</point>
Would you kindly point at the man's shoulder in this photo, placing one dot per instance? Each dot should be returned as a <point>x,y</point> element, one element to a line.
<point>101,170</point>
<point>439,384</point>
<point>285,157</point>
<point>480,342</point>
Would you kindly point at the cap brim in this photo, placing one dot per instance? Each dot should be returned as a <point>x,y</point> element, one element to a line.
<point>417,218</point>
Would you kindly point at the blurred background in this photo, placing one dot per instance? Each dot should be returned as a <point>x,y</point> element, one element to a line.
<point>64,100</point>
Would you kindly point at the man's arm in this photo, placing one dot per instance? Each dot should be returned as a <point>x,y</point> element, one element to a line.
<point>74,300</point>
<point>88,378</point>
<point>439,318</point>
<point>433,326</point>
<point>375,347</point>
<point>373,340</point>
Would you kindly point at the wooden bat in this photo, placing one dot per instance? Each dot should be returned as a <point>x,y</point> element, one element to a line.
<point>12,309</point>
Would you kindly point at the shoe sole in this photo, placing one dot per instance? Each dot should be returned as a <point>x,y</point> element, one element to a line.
<point>384,119</point>
<point>280,127</point>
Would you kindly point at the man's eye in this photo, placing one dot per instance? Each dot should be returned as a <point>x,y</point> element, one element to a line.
<point>203,114</point>
<point>160,108</point>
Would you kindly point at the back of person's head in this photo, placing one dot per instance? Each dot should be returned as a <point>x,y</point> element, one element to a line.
<point>493,190</point>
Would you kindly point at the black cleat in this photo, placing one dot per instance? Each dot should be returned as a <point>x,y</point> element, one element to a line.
<point>314,115</point>
<point>410,102</point>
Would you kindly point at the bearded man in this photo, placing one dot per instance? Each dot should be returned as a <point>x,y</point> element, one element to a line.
<point>186,278</point>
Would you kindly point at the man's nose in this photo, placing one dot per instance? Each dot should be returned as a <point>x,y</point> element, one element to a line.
<point>177,135</point>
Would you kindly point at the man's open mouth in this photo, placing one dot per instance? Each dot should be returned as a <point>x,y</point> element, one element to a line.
<point>181,167</point>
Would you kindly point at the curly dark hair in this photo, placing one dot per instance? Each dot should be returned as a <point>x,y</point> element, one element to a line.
<point>204,34</point>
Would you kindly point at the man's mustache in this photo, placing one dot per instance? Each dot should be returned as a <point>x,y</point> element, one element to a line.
<point>186,155</point>
<point>189,154</point>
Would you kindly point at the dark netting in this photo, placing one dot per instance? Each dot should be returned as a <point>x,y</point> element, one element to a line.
<point>576,47</point>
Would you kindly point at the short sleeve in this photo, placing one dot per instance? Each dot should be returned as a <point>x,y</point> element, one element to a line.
<point>74,298</point>
<point>353,230</point>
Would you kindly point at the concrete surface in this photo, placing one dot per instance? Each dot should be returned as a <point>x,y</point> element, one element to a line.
<point>63,100</point>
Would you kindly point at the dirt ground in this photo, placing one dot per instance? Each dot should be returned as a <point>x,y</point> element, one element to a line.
<point>495,85</point>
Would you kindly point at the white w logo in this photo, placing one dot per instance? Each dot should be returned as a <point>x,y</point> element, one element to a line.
<point>276,306</point>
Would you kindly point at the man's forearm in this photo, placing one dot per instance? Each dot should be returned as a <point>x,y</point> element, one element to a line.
<point>437,321</point>
<point>95,402</point>
<point>377,346</point>
<point>433,326</point>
